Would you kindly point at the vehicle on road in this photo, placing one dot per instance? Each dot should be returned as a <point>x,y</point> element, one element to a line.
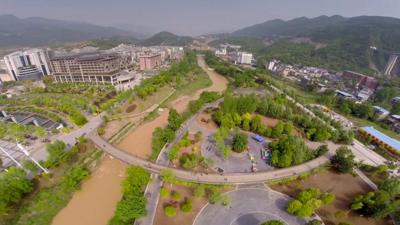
<point>258,138</point>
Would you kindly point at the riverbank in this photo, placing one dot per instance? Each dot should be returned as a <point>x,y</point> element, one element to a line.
<point>95,202</point>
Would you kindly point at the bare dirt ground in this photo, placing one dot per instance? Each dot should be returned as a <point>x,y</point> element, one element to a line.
<point>180,218</point>
<point>204,120</point>
<point>138,142</point>
<point>344,186</point>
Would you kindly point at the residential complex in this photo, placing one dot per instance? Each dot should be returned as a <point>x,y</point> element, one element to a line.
<point>31,64</point>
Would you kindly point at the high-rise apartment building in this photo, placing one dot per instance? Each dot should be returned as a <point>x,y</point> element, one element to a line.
<point>30,64</point>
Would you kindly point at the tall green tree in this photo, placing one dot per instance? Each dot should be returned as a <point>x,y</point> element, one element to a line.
<point>343,160</point>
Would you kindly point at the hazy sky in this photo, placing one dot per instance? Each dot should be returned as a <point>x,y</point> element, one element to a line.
<point>193,16</point>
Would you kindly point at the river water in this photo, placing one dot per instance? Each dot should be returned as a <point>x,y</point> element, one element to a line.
<point>95,203</point>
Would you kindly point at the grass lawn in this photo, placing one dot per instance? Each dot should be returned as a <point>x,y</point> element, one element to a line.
<point>344,186</point>
<point>190,87</point>
<point>50,196</point>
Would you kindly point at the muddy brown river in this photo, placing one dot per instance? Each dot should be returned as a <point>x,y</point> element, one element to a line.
<point>95,203</point>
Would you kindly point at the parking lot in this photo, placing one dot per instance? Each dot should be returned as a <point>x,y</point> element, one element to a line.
<point>246,162</point>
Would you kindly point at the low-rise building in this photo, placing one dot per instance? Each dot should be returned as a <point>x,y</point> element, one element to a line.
<point>381,139</point>
<point>149,61</point>
<point>380,112</point>
<point>94,67</point>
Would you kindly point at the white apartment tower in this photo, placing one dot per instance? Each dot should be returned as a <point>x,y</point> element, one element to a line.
<point>30,64</point>
<point>244,58</point>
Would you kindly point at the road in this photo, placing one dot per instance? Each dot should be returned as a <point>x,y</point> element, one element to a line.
<point>40,153</point>
<point>233,178</point>
<point>366,155</point>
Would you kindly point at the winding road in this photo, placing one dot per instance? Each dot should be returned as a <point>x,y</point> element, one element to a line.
<point>233,178</point>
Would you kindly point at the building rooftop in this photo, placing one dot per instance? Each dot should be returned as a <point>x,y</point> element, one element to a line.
<point>395,144</point>
<point>86,56</point>
<point>381,110</point>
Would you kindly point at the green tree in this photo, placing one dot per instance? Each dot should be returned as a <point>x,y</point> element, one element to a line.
<point>273,222</point>
<point>56,153</point>
<point>327,198</point>
<point>174,119</point>
<point>191,160</point>
<point>14,185</point>
<point>240,142</point>
<point>343,160</point>
<point>199,191</point>
<point>187,206</point>
<point>170,211</point>
<point>164,192</point>
<point>175,195</point>
<point>314,222</point>
<point>288,151</point>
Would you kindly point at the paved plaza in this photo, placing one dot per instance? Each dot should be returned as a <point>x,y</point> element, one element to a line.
<point>249,206</point>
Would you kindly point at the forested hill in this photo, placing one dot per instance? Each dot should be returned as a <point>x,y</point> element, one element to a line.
<point>166,38</point>
<point>335,42</point>
<point>36,31</point>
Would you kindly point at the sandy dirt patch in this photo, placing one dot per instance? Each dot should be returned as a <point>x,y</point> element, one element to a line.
<point>180,218</point>
<point>344,186</point>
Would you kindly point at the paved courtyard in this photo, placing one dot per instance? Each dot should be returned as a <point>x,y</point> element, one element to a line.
<point>249,206</point>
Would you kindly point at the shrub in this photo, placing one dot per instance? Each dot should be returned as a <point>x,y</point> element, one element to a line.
<point>175,195</point>
<point>170,211</point>
<point>187,206</point>
<point>327,198</point>
<point>57,154</point>
<point>273,222</point>
<point>239,142</point>
<point>199,191</point>
<point>164,192</point>
<point>314,222</point>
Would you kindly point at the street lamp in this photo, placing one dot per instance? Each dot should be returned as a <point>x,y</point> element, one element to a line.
<point>46,171</point>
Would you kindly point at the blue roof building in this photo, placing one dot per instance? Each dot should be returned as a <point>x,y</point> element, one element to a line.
<point>381,138</point>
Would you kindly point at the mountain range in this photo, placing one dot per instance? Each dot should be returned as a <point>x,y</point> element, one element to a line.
<point>335,42</point>
<point>36,31</point>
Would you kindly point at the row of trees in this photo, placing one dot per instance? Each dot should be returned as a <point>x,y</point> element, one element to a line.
<point>315,130</point>
<point>65,105</point>
<point>133,203</point>
<point>241,78</point>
